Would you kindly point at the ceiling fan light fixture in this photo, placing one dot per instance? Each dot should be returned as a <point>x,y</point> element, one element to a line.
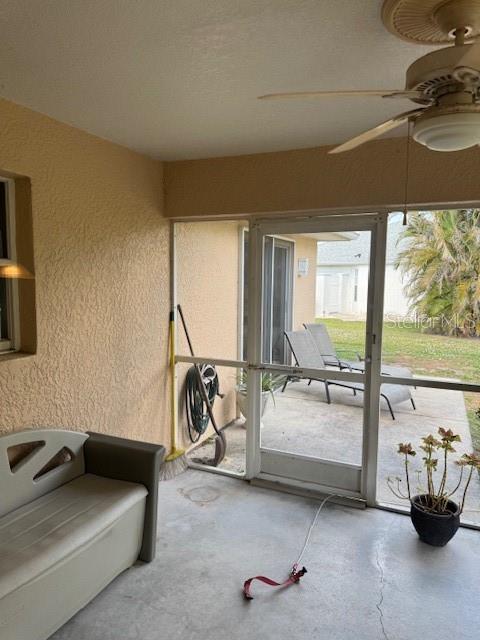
<point>448,132</point>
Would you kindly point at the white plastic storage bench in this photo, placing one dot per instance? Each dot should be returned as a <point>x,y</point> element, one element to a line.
<point>76,509</point>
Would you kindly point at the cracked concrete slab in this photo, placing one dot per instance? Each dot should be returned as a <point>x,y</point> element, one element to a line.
<point>369,577</point>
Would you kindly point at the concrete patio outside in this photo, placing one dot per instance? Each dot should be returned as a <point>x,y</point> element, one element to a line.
<point>300,421</point>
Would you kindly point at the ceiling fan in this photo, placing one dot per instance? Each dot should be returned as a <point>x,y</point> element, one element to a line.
<point>445,83</point>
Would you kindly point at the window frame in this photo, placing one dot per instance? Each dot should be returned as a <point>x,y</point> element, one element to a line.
<point>11,344</point>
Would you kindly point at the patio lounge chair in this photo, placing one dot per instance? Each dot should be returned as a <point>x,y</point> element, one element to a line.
<point>324,344</point>
<point>307,355</point>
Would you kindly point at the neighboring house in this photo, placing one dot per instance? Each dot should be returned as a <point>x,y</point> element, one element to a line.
<point>342,275</point>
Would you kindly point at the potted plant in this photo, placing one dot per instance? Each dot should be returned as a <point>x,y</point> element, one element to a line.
<point>270,383</point>
<point>434,514</point>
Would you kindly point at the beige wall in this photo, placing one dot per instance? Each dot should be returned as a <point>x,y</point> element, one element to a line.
<point>208,284</point>
<point>372,175</point>
<point>304,286</point>
<point>207,256</point>
<point>207,288</point>
<point>101,263</point>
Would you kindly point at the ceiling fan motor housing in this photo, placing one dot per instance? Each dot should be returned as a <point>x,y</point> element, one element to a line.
<point>448,79</point>
<point>445,83</point>
<point>452,122</point>
<point>441,72</point>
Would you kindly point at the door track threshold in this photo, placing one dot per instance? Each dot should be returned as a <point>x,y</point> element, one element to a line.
<point>314,494</point>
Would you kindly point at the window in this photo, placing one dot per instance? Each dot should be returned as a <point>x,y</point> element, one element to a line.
<point>355,285</point>
<point>8,288</point>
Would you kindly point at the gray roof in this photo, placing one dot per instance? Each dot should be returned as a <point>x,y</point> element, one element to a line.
<point>357,251</point>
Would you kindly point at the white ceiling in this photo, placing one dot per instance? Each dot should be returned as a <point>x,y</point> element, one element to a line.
<point>179,78</point>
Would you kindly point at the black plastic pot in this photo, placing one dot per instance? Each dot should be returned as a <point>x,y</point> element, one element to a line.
<point>434,528</point>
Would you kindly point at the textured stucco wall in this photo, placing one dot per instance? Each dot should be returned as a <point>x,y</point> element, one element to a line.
<point>207,285</point>
<point>101,263</point>
<point>304,286</point>
<point>371,175</point>
<point>208,281</point>
<point>207,288</point>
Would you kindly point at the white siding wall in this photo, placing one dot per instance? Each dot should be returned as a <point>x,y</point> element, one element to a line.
<point>396,303</point>
<point>335,292</point>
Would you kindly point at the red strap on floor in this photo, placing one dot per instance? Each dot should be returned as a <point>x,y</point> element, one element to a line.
<point>292,579</point>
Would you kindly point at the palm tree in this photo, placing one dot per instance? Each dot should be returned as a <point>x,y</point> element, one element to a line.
<point>441,263</point>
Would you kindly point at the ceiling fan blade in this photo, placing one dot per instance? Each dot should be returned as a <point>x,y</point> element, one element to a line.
<point>371,134</point>
<point>380,93</point>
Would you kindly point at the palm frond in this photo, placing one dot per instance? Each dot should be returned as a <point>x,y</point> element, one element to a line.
<point>440,262</point>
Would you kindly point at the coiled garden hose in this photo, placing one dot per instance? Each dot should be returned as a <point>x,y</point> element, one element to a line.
<point>197,411</point>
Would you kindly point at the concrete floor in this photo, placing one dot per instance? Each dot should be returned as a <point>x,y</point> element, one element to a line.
<point>301,422</point>
<point>369,577</point>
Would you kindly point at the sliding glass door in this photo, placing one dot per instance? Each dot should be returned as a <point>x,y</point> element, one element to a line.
<point>277,299</point>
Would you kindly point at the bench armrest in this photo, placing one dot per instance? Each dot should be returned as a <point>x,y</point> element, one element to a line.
<point>133,461</point>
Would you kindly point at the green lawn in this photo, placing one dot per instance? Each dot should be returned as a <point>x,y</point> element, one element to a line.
<point>423,353</point>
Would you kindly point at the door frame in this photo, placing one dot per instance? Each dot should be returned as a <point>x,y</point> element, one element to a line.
<point>242,334</point>
<point>367,471</point>
<point>289,245</point>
